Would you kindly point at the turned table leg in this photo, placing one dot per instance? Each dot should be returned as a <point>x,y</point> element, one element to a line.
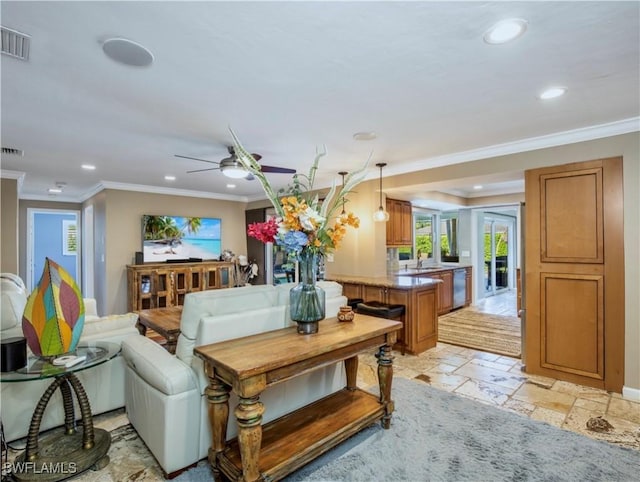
<point>351,369</point>
<point>385,378</point>
<point>249,415</point>
<point>217,394</point>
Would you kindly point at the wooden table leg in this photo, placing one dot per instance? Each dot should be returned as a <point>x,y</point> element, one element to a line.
<point>385,379</point>
<point>217,394</point>
<point>142,329</point>
<point>249,415</point>
<point>351,369</point>
<point>172,342</point>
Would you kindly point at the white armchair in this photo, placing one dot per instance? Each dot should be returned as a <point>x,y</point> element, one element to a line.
<point>104,384</point>
<point>165,399</point>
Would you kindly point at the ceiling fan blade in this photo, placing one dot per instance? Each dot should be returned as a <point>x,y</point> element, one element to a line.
<point>196,159</point>
<point>202,170</point>
<point>278,170</point>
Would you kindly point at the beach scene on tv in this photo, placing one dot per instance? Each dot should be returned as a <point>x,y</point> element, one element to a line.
<point>180,238</point>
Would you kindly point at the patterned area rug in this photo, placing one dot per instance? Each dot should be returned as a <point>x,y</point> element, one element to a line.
<point>494,333</point>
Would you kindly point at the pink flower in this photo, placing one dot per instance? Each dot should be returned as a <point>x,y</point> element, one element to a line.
<point>265,232</point>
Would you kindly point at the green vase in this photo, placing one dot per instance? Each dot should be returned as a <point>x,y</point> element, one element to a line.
<point>307,300</point>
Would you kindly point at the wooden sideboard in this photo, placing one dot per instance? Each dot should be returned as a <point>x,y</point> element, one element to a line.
<point>286,444</point>
<point>162,285</point>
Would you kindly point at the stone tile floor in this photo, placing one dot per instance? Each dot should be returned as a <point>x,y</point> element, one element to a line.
<point>484,377</point>
<point>498,380</point>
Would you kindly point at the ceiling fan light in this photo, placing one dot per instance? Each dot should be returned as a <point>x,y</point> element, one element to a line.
<point>234,172</point>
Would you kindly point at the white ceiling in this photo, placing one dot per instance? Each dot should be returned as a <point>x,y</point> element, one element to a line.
<point>288,76</point>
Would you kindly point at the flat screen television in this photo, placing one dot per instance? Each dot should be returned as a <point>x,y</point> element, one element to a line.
<point>180,238</point>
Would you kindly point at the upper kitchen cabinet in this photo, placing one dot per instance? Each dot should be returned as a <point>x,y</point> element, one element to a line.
<point>400,224</point>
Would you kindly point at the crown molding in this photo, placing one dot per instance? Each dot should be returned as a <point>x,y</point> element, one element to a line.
<point>163,190</point>
<point>17,175</point>
<point>102,185</point>
<point>582,134</point>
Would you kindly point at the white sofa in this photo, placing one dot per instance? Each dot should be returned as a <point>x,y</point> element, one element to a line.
<point>164,393</point>
<point>104,384</point>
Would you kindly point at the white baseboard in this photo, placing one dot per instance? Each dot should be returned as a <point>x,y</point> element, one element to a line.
<point>631,393</point>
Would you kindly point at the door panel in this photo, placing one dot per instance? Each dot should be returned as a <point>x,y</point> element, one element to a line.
<point>574,278</point>
<point>571,217</point>
<point>577,301</point>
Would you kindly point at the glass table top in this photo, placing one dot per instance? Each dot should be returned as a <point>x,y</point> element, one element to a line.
<point>96,353</point>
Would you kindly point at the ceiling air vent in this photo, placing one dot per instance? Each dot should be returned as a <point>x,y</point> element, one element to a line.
<point>15,44</point>
<point>12,152</point>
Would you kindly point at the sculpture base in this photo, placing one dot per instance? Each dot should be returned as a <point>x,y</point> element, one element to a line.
<point>62,456</point>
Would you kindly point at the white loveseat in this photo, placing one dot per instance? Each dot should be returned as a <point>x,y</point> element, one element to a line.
<point>165,399</point>
<point>104,384</point>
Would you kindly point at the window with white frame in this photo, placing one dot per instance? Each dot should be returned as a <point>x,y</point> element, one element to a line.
<point>69,238</point>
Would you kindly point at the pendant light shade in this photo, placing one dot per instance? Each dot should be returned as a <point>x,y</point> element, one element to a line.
<point>381,215</point>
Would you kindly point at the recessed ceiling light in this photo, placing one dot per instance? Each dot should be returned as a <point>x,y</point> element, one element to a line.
<point>54,190</point>
<point>364,136</point>
<point>88,167</point>
<point>477,187</point>
<point>127,52</point>
<point>231,186</point>
<point>552,93</point>
<point>505,31</point>
<point>169,178</point>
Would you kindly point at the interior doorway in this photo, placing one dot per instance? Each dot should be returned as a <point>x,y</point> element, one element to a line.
<point>499,253</point>
<point>54,234</point>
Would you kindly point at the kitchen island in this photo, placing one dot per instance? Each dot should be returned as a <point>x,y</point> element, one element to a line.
<point>455,290</point>
<point>418,295</point>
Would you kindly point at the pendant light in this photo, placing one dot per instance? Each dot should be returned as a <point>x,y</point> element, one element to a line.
<point>381,215</point>
<point>343,173</point>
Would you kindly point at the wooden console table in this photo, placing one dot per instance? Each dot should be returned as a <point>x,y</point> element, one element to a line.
<point>164,321</point>
<point>248,365</point>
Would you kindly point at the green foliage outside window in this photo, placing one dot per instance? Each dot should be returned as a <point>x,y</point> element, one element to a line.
<point>502,246</point>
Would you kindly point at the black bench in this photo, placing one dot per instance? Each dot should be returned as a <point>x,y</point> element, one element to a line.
<point>385,310</point>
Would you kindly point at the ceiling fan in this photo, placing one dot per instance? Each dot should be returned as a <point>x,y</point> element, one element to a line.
<point>232,167</point>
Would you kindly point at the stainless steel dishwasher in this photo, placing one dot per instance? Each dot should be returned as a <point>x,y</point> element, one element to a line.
<point>459,287</point>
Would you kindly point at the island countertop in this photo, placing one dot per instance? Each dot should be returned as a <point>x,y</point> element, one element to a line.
<point>426,270</point>
<point>390,281</point>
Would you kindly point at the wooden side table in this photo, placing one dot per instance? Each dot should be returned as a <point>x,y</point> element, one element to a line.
<point>164,321</point>
<point>286,444</point>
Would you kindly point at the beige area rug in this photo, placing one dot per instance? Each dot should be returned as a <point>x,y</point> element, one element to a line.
<point>493,333</point>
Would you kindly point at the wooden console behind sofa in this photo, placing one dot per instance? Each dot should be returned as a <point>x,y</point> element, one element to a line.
<point>249,365</point>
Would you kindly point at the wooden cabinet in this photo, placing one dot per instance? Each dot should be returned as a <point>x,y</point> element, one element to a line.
<point>420,331</point>
<point>400,225</point>
<point>161,285</point>
<point>445,290</point>
<point>352,290</point>
<point>423,334</point>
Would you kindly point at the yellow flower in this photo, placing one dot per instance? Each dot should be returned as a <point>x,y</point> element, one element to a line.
<point>304,221</point>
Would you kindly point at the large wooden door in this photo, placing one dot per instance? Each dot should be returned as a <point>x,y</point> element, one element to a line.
<point>575,273</point>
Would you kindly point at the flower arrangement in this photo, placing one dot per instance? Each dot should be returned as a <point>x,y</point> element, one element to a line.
<point>303,222</point>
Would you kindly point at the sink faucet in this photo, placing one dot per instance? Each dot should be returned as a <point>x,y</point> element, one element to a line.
<point>419,263</point>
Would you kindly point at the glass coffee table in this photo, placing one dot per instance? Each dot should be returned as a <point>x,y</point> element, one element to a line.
<point>67,453</point>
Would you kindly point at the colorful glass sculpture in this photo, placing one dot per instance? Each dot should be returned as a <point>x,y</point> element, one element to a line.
<point>53,318</point>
